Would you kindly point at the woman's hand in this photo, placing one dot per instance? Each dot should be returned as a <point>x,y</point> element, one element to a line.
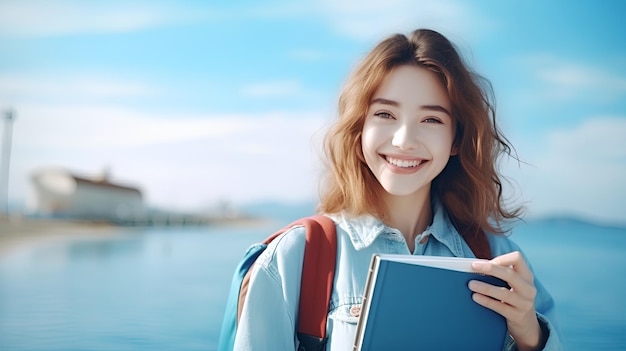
<point>516,304</point>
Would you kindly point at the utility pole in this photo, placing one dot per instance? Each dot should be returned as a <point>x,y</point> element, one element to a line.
<point>6,157</point>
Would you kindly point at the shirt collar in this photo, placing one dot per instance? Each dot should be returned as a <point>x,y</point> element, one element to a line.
<point>363,230</point>
<point>444,231</point>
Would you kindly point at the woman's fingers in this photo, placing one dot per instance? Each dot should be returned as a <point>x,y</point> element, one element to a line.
<point>516,261</point>
<point>512,269</point>
<point>501,299</point>
<point>497,293</point>
<point>484,299</point>
<point>517,303</point>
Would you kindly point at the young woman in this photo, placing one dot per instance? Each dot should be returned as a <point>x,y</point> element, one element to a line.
<point>411,170</point>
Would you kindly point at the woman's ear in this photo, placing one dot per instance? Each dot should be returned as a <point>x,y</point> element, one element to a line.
<point>454,150</point>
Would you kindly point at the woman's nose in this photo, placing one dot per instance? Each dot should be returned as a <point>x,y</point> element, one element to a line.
<point>404,137</point>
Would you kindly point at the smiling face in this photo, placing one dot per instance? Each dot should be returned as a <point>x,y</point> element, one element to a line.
<point>408,132</point>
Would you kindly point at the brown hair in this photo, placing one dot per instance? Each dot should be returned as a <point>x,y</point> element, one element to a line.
<point>469,187</point>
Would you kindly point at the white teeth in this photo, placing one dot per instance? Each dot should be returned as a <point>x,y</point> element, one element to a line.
<point>403,163</point>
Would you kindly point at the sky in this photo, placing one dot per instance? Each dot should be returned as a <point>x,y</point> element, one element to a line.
<point>199,102</point>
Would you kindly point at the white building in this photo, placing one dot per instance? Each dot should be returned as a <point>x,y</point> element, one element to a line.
<point>59,193</point>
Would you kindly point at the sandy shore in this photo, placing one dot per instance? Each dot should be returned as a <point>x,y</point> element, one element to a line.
<point>17,231</point>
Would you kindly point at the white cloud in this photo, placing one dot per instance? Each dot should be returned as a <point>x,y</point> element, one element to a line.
<point>102,126</point>
<point>579,170</point>
<point>599,140</point>
<point>370,20</point>
<point>563,80</point>
<point>70,87</point>
<point>352,18</point>
<point>373,19</point>
<point>36,18</point>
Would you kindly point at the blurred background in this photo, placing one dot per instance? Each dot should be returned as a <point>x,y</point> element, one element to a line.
<point>202,102</point>
<point>170,117</point>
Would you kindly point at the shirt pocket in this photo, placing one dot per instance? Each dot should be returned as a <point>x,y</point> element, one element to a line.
<point>347,312</point>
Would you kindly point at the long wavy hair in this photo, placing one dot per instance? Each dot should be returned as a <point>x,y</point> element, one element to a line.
<point>470,185</point>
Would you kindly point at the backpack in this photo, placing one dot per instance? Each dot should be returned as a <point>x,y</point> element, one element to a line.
<point>318,271</point>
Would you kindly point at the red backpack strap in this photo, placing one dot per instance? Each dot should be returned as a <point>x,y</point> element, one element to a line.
<point>318,273</point>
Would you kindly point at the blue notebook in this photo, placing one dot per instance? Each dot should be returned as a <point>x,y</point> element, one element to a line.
<point>423,303</point>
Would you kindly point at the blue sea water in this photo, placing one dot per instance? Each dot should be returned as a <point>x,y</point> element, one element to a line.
<point>165,288</point>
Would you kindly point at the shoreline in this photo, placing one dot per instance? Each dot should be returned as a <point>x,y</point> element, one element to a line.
<point>18,232</point>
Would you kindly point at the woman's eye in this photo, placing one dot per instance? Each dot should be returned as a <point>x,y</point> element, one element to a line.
<point>432,120</point>
<point>383,114</point>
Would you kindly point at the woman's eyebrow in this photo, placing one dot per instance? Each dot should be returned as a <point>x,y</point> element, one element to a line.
<point>384,102</point>
<point>437,108</point>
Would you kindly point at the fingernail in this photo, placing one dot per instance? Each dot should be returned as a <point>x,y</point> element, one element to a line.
<point>472,284</point>
<point>475,297</point>
<point>479,265</point>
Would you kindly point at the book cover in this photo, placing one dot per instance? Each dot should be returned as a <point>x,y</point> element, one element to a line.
<point>423,303</point>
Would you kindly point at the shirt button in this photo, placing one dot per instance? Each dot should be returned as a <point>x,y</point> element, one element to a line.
<point>355,310</point>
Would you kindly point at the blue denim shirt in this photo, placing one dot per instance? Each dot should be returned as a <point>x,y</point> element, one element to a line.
<point>270,313</point>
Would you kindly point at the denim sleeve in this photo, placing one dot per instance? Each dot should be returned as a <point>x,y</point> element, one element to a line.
<point>269,313</point>
<point>546,316</point>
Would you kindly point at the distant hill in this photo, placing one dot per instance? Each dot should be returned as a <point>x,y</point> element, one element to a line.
<point>285,212</point>
<point>566,220</point>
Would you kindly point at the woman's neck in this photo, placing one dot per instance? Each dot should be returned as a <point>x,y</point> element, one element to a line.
<point>411,215</point>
